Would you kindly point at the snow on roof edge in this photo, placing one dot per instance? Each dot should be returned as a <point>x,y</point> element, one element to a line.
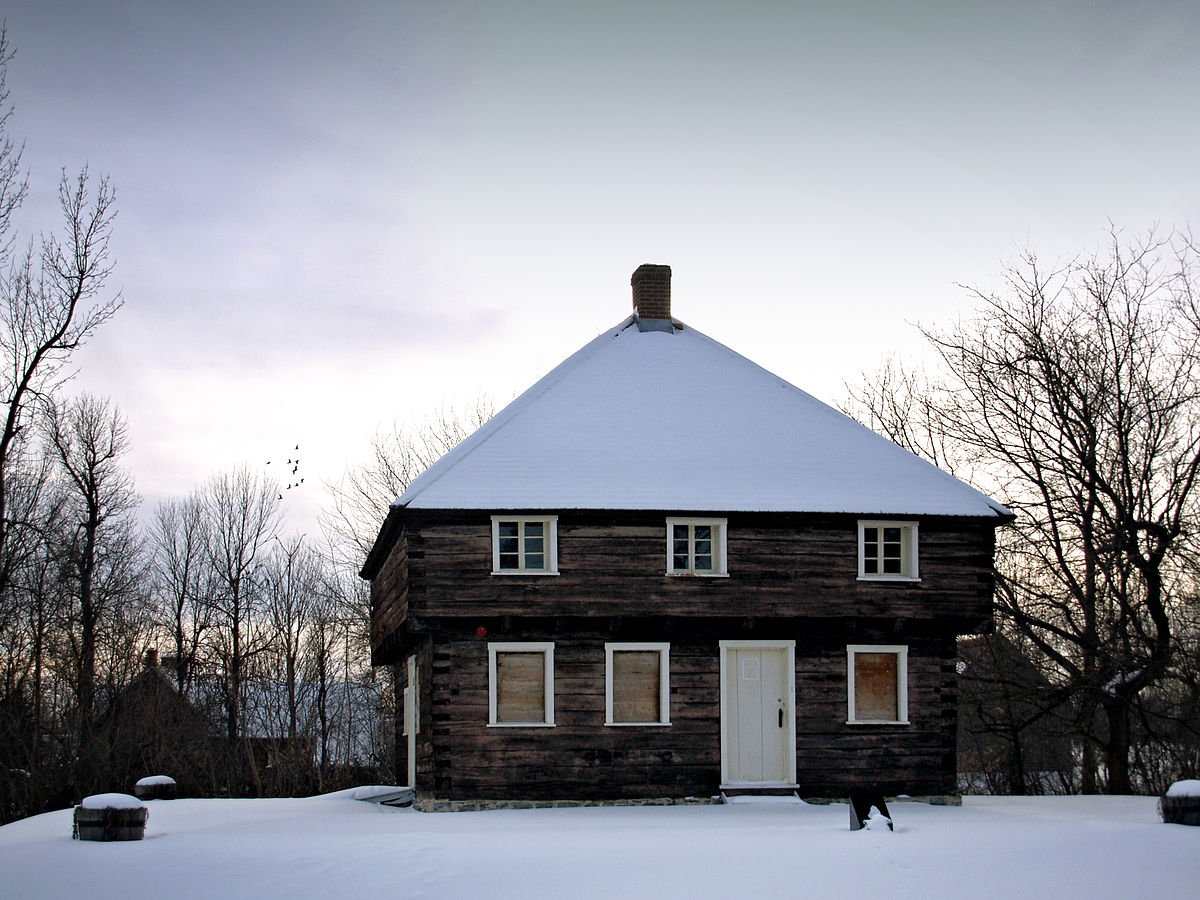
<point>480,436</point>
<point>431,476</point>
<point>999,508</point>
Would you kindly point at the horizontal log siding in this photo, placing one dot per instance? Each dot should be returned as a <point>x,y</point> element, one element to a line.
<point>389,596</point>
<point>834,758</point>
<point>582,759</point>
<point>423,650</point>
<point>615,564</point>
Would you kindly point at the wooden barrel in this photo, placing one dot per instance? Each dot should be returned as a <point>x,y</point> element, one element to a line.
<point>110,824</point>
<point>1180,810</point>
<point>148,789</point>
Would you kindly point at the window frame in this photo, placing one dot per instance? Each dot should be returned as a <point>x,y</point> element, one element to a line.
<point>909,550</point>
<point>901,653</point>
<point>549,548</point>
<point>720,567</point>
<point>664,681</point>
<point>546,648</point>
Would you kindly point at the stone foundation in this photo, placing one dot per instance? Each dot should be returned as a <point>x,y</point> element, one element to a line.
<point>432,804</point>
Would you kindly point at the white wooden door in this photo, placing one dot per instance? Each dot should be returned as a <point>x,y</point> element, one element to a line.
<point>757,715</point>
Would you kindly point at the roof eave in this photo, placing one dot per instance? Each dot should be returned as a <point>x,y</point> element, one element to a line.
<point>384,542</point>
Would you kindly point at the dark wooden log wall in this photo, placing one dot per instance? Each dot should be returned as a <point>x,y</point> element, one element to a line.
<point>389,599</point>
<point>422,649</point>
<point>918,758</point>
<point>790,576</point>
<point>615,563</point>
<point>582,759</point>
<point>578,758</point>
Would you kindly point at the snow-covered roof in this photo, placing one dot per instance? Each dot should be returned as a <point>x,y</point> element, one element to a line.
<point>642,418</point>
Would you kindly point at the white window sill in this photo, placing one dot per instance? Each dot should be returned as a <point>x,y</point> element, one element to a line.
<point>909,578</point>
<point>878,722</point>
<point>520,725</point>
<point>637,724</point>
<point>522,572</point>
<point>697,574</point>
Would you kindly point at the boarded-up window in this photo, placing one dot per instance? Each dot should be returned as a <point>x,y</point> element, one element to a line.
<point>520,684</point>
<point>875,686</point>
<point>635,685</point>
<point>878,688</point>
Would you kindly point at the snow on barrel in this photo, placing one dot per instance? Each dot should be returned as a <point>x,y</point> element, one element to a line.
<point>110,817</point>
<point>1180,805</point>
<point>156,787</point>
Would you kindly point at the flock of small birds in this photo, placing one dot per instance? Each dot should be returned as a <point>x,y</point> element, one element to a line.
<point>294,464</point>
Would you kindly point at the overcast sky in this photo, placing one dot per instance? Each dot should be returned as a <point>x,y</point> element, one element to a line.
<point>333,216</point>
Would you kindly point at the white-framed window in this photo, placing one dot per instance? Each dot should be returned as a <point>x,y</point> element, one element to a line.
<point>877,684</point>
<point>637,684</point>
<point>521,684</point>
<point>887,551</point>
<point>696,547</point>
<point>524,545</point>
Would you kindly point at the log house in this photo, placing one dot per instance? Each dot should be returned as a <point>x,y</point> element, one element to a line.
<point>663,572</point>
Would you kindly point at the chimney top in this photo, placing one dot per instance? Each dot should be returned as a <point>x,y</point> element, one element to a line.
<point>151,658</point>
<point>652,292</point>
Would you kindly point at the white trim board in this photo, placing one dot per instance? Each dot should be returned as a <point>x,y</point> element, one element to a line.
<point>789,646</point>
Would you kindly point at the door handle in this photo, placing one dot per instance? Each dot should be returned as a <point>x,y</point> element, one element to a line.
<point>781,718</point>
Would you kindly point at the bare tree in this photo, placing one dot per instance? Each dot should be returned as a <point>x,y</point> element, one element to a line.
<point>326,623</point>
<point>243,517</point>
<point>293,578</point>
<point>182,577</point>
<point>1077,390</point>
<point>51,299</point>
<point>88,439</point>
<point>31,764</point>
<point>359,501</point>
<point>359,504</point>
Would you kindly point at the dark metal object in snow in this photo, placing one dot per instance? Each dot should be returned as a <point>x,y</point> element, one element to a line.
<point>860,809</point>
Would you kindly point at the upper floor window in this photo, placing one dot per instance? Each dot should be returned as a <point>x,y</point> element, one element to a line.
<point>887,550</point>
<point>525,545</point>
<point>877,684</point>
<point>696,547</point>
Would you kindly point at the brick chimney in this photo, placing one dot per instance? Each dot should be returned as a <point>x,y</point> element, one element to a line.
<point>151,658</point>
<point>652,292</point>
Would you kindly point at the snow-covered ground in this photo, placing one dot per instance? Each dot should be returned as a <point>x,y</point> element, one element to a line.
<point>336,846</point>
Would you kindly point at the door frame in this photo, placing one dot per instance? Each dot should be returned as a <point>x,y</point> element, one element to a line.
<point>412,717</point>
<point>789,713</point>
